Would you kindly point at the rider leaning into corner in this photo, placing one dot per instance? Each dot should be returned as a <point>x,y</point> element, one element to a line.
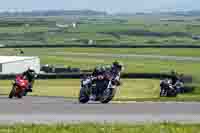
<point>30,74</point>
<point>112,73</point>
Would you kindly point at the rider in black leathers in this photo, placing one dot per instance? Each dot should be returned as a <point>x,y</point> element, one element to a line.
<point>174,77</point>
<point>30,74</point>
<point>106,73</point>
<point>113,71</point>
<point>116,71</point>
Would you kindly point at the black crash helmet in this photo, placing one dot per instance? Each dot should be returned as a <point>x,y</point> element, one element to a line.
<point>118,65</point>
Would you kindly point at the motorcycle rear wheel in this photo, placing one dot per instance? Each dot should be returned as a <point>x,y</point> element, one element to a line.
<point>172,93</point>
<point>21,94</point>
<point>108,95</point>
<point>83,97</point>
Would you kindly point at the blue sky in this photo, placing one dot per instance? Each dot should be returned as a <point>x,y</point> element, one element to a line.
<point>111,6</point>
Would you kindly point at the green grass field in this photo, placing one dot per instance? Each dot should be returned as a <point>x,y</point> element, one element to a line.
<point>60,56</point>
<point>64,57</point>
<point>48,33</point>
<point>103,128</point>
<point>100,30</point>
<point>189,52</point>
<point>131,90</point>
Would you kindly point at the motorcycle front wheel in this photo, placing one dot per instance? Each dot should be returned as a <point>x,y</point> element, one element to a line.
<point>172,93</point>
<point>21,94</point>
<point>83,96</point>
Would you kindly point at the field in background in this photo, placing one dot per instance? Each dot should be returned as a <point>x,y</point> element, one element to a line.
<point>106,30</point>
<point>181,52</point>
<point>104,128</point>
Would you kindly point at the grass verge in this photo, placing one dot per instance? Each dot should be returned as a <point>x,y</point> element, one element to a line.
<point>103,128</point>
<point>131,90</point>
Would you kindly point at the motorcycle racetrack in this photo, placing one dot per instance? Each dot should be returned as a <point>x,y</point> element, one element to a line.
<point>32,109</point>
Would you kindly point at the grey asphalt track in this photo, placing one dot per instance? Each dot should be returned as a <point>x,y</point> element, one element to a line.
<point>57,109</point>
<point>140,56</point>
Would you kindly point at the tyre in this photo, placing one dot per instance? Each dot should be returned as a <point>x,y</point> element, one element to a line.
<point>108,95</point>
<point>12,92</point>
<point>83,96</point>
<point>21,94</point>
<point>172,93</point>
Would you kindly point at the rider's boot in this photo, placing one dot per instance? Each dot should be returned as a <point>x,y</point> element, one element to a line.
<point>25,93</point>
<point>30,88</point>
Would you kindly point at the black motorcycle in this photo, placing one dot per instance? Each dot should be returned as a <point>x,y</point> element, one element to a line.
<point>103,89</point>
<point>167,89</point>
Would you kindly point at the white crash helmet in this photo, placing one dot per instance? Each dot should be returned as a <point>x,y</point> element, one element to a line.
<point>30,68</point>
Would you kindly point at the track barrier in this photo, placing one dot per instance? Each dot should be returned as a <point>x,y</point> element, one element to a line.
<point>185,78</point>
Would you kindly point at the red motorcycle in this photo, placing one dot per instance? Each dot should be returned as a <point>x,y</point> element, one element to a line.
<point>19,87</point>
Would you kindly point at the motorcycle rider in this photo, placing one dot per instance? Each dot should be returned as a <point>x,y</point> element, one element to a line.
<point>30,74</point>
<point>174,77</point>
<point>106,72</point>
<point>113,71</point>
<point>97,75</point>
<point>116,69</point>
<point>99,70</point>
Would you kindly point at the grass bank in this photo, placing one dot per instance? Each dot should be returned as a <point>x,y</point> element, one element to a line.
<point>103,128</point>
<point>131,90</point>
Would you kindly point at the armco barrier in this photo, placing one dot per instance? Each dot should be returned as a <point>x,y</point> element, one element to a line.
<point>78,76</point>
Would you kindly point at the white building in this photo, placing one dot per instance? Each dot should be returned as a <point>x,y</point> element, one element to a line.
<point>74,25</point>
<point>18,64</point>
<point>62,25</point>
